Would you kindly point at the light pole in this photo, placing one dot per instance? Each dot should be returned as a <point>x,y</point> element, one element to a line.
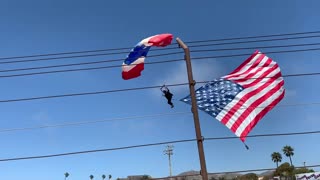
<point>169,151</point>
<point>194,108</point>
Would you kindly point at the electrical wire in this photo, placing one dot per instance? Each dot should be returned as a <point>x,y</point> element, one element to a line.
<point>141,117</point>
<point>141,145</point>
<point>121,90</point>
<point>195,51</point>
<point>266,135</point>
<point>247,54</point>
<point>256,47</point>
<point>90,122</point>
<point>96,150</point>
<point>83,63</point>
<point>82,94</point>
<point>80,56</point>
<point>253,37</point>
<point>202,45</point>
<point>157,62</point>
<point>253,41</point>
<point>127,48</point>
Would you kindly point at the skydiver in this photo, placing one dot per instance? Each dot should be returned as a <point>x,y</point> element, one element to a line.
<point>167,94</point>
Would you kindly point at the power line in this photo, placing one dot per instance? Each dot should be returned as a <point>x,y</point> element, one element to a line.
<point>132,117</point>
<point>143,145</point>
<point>127,48</point>
<point>83,63</point>
<point>82,94</point>
<point>254,37</point>
<point>195,51</point>
<point>90,122</point>
<point>256,47</point>
<point>60,57</point>
<point>80,56</point>
<point>94,151</point>
<point>202,45</point>
<point>121,90</point>
<point>266,135</point>
<point>157,62</point>
<point>253,41</point>
<point>267,52</point>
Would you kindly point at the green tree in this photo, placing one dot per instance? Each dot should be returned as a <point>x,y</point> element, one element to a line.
<point>288,151</point>
<point>66,175</point>
<point>110,176</point>
<point>276,157</point>
<point>249,176</point>
<point>213,178</point>
<point>103,177</point>
<point>145,177</point>
<point>285,170</point>
<point>91,177</point>
<point>302,170</point>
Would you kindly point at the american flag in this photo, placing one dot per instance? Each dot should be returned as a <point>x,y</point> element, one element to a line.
<point>240,99</point>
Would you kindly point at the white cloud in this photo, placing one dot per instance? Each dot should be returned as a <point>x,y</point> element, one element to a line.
<point>290,92</point>
<point>203,70</point>
<point>41,117</point>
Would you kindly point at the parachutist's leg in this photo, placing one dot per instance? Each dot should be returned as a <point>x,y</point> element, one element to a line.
<point>168,95</point>
<point>170,103</point>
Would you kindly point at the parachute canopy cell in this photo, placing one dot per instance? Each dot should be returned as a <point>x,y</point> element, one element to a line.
<point>134,63</point>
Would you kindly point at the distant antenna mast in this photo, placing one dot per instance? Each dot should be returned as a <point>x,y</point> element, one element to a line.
<point>169,151</point>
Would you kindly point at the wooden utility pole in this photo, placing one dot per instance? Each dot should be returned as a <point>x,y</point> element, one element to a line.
<point>169,152</point>
<point>192,83</point>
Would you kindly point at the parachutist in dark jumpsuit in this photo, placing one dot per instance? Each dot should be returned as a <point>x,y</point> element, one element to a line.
<point>167,94</point>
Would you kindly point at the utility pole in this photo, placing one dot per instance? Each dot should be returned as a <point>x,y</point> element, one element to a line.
<point>194,108</point>
<point>169,152</point>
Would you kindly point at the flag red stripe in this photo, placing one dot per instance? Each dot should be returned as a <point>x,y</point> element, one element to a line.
<point>235,108</point>
<point>259,117</point>
<point>263,76</point>
<point>245,62</point>
<point>251,75</point>
<point>252,107</point>
<point>255,64</point>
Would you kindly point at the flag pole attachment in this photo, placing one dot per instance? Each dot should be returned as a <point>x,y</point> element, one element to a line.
<point>192,83</point>
<point>247,147</point>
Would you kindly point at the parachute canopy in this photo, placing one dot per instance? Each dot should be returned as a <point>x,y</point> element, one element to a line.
<point>134,63</point>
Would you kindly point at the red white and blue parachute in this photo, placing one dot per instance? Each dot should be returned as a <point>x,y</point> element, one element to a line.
<point>134,63</point>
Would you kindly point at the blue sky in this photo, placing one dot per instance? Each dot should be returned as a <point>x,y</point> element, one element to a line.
<point>37,27</point>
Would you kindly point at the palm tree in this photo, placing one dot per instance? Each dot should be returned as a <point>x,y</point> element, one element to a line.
<point>66,175</point>
<point>276,157</point>
<point>103,177</point>
<point>110,176</point>
<point>91,177</point>
<point>288,151</point>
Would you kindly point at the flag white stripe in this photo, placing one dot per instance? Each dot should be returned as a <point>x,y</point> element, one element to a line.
<point>229,106</point>
<point>253,114</point>
<point>253,70</point>
<point>258,75</point>
<point>246,67</point>
<point>226,109</point>
<point>250,101</point>
<point>127,68</point>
